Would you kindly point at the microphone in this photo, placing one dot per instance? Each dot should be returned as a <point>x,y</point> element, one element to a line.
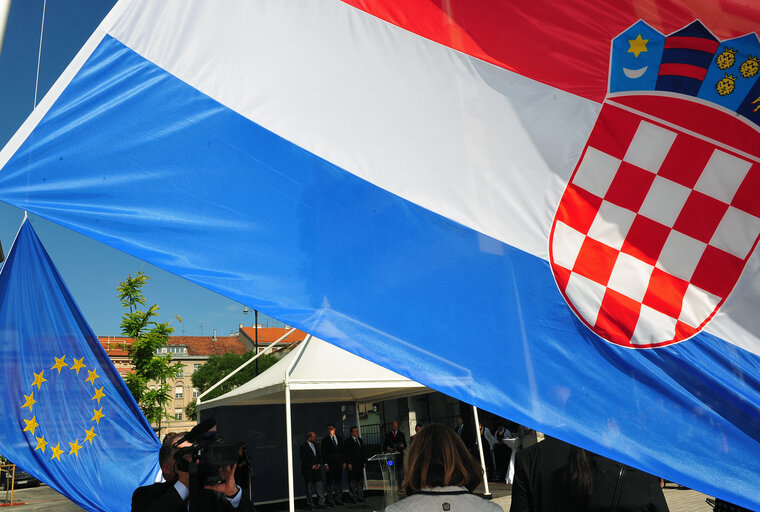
<point>197,431</point>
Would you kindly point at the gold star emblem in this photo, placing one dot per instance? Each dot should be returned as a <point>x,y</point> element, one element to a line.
<point>75,447</point>
<point>39,379</point>
<point>30,401</point>
<point>90,435</point>
<point>60,362</point>
<point>57,452</point>
<point>97,415</point>
<point>638,45</point>
<point>78,364</point>
<point>91,376</point>
<point>98,394</point>
<point>31,425</point>
<point>41,443</point>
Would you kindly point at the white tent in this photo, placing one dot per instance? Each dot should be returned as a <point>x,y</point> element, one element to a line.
<point>316,371</point>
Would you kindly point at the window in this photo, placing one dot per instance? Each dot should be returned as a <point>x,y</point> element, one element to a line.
<point>178,391</point>
<point>195,393</point>
<point>181,372</point>
<point>177,413</point>
<point>196,367</point>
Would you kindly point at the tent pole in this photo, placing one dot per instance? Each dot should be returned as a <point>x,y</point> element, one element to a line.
<point>289,437</point>
<point>487,492</point>
<point>359,428</point>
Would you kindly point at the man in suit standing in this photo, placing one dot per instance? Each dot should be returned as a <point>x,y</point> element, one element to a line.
<point>468,436</point>
<point>356,461</point>
<point>311,464</point>
<point>332,454</point>
<point>395,442</point>
<point>173,494</point>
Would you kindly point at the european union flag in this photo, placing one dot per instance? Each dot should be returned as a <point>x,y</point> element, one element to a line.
<point>68,418</point>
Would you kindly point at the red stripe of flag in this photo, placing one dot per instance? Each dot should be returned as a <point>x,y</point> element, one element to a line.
<point>563,44</point>
<point>686,70</point>
<point>692,43</point>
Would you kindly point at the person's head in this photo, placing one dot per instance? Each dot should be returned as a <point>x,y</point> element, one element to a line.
<point>354,431</point>
<point>460,421</point>
<point>166,454</point>
<point>417,428</point>
<point>394,425</point>
<point>439,458</point>
<point>311,437</point>
<point>331,429</point>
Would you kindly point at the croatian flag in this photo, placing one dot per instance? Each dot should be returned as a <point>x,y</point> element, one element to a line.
<point>547,209</point>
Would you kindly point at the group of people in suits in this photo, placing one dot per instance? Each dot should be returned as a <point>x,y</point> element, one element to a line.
<point>496,452</point>
<point>333,454</point>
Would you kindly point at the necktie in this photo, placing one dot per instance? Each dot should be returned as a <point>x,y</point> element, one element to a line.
<point>356,439</point>
<point>335,442</point>
<point>312,449</point>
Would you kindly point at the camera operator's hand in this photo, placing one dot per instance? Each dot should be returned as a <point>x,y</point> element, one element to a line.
<point>227,485</point>
<point>183,477</point>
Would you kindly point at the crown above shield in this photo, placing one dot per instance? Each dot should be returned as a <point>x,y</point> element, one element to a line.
<point>690,61</point>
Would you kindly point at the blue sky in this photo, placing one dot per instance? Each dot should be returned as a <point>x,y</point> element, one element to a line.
<point>91,270</point>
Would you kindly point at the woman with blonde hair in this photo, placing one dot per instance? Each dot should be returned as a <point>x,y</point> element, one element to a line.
<point>441,475</point>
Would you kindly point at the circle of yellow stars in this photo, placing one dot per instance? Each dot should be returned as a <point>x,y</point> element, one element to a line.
<point>32,426</point>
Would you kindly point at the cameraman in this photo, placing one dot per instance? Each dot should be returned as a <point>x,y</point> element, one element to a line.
<point>172,494</point>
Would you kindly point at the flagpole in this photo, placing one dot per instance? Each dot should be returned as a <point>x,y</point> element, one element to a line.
<point>5,9</point>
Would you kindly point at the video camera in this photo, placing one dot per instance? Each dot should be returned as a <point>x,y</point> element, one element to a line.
<point>208,454</point>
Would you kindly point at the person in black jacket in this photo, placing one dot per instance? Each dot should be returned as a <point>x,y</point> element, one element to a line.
<point>332,454</point>
<point>467,434</point>
<point>553,475</point>
<point>395,442</point>
<point>356,461</point>
<point>311,464</point>
<point>172,495</point>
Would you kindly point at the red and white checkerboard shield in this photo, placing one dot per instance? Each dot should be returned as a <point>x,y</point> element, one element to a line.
<point>659,218</point>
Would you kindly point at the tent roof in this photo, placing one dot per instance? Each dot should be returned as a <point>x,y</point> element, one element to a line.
<point>320,372</point>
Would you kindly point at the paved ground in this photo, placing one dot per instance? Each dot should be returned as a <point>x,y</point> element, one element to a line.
<point>46,499</point>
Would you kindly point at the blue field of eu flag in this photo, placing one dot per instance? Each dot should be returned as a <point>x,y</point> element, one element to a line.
<point>67,416</point>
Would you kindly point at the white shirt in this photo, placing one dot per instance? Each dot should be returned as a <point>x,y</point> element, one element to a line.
<point>184,493</point>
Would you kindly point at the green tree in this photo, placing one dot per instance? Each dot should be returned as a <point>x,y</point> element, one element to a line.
<point>218,367</point>
<point>148,337</point>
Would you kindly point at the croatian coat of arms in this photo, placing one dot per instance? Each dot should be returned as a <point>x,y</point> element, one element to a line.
<point>661,213</point>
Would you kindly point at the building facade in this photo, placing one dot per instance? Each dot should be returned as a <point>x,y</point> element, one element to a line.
<point>193,352</point>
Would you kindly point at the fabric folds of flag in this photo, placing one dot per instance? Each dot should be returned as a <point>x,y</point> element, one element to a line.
<point>546,209</point>
<point>68,418</point>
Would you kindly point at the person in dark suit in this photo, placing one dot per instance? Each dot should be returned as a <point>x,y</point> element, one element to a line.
<point>554,475</point>
<point>395,442</point>
<point>172,494</point>
<point>356,461</point>
<point>467,434</point>
<point>311,464</point>
<point>332,454</point>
